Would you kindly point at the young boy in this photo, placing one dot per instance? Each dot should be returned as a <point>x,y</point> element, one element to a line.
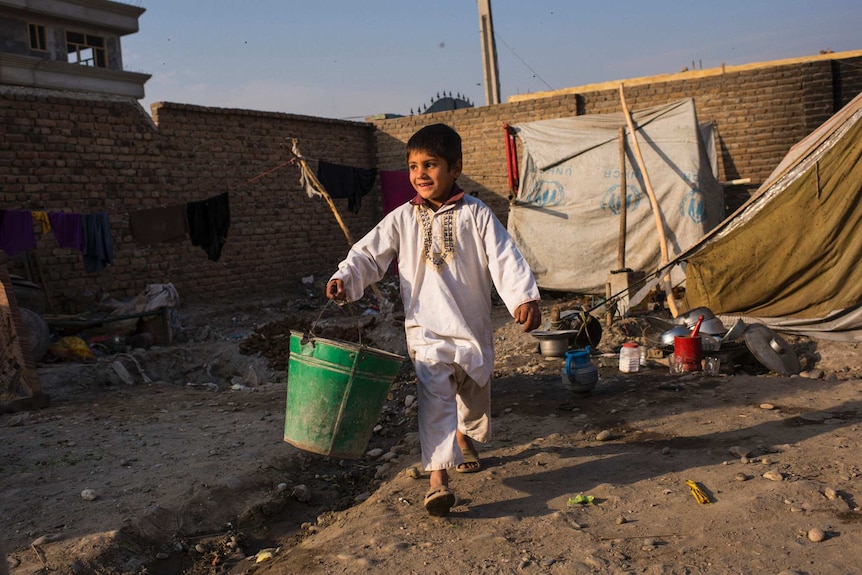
<point>450,248</point>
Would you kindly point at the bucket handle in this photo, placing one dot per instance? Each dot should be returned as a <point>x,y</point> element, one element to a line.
<point>309,333</point>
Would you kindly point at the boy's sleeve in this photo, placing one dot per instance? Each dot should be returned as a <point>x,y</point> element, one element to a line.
<point>509,270</point>
<point>367,261</point>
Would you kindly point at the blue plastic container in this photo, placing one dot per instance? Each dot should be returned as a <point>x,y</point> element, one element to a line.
<point>580,375</point>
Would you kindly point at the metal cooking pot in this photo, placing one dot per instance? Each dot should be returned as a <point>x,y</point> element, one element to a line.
<point>736,330</point>
<point>667,338</point>
<point>712,326</point>
<point>710,342</point>
<point>554,343</point>
<point>689,318</point>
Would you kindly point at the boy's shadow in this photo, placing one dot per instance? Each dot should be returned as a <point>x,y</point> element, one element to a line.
<point>626,463</point>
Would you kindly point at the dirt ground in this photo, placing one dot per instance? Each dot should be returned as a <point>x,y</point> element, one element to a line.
<point>174,462</point>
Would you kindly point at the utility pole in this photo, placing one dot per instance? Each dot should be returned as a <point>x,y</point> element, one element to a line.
<point>489,54</point>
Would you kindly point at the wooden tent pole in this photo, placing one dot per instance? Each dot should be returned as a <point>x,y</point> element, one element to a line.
<point>621,257</point>
<point>671,304</point>
<point>318,187</point>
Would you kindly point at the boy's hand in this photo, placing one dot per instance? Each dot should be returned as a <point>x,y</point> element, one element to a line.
<point>529,315</point>
<point>335,290</point>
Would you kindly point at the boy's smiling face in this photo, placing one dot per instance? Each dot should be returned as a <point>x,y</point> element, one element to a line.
<point>432,176</point>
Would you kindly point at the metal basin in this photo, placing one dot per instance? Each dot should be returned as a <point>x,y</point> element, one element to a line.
<point>689,318</point>
<point>555,343</point>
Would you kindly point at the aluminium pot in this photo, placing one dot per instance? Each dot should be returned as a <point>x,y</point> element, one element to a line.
<point>555,343</point>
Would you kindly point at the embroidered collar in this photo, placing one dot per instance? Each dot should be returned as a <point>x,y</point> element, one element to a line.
<point>447,241</point>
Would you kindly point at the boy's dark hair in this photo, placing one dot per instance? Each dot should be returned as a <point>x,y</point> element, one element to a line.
<point>438,140</point>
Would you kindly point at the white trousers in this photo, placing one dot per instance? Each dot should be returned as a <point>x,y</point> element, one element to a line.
<point>448,401</point>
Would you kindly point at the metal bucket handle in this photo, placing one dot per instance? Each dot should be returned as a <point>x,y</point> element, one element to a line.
<point>308,335</point>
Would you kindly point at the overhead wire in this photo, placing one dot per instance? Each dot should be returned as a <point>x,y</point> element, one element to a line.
<point>530,68</point>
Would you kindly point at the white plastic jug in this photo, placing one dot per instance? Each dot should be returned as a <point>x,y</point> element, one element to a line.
<point>630,357</point>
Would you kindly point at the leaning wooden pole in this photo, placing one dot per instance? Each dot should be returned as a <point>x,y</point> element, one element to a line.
<point>671,304</point>
<point>318,187</point>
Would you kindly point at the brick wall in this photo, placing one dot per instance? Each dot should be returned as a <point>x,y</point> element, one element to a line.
<point>106,155</point>
<point>278,234</point>
<point>847,79</point>
<point>61,152</point>
<point>759,114</point>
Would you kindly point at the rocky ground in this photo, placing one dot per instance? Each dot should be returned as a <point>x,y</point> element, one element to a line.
<point>175,463</point>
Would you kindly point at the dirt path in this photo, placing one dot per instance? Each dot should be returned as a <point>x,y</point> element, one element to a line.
<point>196,478</point>
<point>515,515</point>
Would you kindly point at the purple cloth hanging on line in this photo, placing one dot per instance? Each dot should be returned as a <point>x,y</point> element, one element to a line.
<point>67,229</point>
<point>16,231</point>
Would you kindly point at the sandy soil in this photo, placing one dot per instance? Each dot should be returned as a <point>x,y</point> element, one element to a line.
<point>189,472</point>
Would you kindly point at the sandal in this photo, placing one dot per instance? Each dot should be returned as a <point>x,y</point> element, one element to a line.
<point>439,500</point>
<point>471,463</point>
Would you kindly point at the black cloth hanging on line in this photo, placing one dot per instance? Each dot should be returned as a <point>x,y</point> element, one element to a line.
<point>209,221</point>
<point>97,244</point>
<point>346,182</point>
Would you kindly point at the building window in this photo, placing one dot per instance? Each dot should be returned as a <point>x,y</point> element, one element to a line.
<point>86,49</point>
<point>37,38</point>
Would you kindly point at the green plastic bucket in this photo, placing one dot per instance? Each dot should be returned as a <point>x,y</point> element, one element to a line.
<point>335,393</point>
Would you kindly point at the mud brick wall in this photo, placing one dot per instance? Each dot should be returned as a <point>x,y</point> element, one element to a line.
<point>278,234</point>
<point>61,151</point>
<point>759,114</point>
<point>67,153</point>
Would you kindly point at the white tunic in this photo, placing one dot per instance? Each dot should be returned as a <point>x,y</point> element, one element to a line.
<point>447,262</point>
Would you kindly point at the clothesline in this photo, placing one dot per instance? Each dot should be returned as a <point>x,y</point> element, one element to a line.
<point>205,222</point>
<point>88,233</point>
<point>173,222</point>
<point>263,174</point>
<point>291,161</point>
<point>342,181</point>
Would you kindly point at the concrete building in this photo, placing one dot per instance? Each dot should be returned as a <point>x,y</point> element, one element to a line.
<point>68,45</point>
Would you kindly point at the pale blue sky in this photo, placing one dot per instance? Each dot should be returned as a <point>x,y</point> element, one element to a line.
<point>355,58</point>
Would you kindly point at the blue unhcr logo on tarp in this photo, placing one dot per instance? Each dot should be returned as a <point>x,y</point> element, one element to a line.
<point>693,207</point>
<point>612,200</point>
<point>545,193</point>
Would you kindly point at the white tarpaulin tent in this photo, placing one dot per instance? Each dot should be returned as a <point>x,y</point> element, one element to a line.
<point>566,217</point>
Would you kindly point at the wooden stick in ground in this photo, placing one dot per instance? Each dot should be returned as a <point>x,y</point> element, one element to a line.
<point>621,257</point>
<point>671,304</point>
<point>49,301</point>
<point>609,312</point>
<point>318,187</point>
